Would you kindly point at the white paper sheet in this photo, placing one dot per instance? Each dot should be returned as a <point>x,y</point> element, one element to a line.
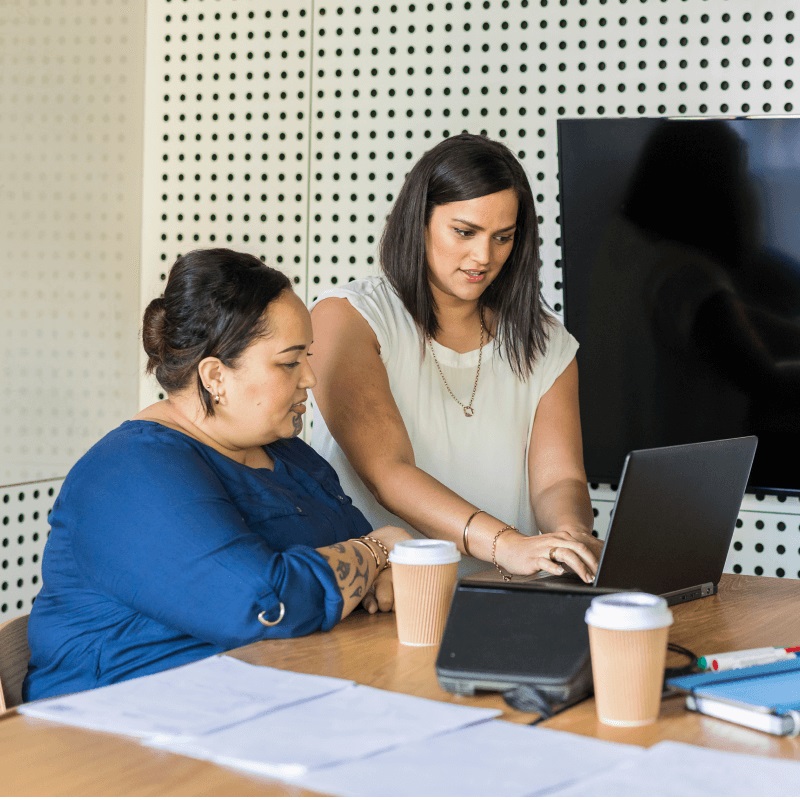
<point>492,759</point>
<point>186,701</point>
<point>673,769</point>
<point>347,725</point>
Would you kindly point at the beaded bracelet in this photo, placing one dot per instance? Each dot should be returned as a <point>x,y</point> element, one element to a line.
<point>386,564</point>
<point>494,549</point>
<point>466,530</point>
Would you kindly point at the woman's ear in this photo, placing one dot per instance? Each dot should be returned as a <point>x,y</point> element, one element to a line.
<point>211,372</point>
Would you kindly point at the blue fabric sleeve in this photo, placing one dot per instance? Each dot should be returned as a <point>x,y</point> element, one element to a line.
<point>157,530</point>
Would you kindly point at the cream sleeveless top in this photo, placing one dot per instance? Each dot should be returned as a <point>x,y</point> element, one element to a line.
<point>482,458</point>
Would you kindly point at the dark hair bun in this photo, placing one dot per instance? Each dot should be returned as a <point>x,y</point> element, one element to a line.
<point>153,332</point>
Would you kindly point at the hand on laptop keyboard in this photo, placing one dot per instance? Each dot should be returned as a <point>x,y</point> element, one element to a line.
<point>555,553</point>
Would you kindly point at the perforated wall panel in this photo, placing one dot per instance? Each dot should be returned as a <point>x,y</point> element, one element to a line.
<point>227,126</point>
<point>71,88</point>
<point>24,509</point>
<point>359,90</point>
<point>766,539</point>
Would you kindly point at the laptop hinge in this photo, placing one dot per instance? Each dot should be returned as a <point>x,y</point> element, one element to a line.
<point>692,593</point>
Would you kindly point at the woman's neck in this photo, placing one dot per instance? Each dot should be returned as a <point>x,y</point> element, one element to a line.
<point>187,416</point>
<point>460,322</point>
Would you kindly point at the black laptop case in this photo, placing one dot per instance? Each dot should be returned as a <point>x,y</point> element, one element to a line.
<point>507,636</point>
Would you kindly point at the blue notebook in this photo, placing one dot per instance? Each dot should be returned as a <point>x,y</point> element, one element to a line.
<point>765,697</point>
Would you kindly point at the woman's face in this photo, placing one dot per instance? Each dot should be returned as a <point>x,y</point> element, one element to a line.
<point>265,393</point>
<point>467,243</point>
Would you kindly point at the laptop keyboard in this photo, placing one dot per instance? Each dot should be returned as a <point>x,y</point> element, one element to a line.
<point>567,579</point>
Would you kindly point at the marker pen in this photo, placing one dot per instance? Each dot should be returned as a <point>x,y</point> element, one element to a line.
<point>746,658</point>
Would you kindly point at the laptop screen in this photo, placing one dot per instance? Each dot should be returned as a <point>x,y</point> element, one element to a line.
<point>675,514</point>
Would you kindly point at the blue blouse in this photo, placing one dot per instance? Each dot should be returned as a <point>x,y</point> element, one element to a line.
<point>164,551</point>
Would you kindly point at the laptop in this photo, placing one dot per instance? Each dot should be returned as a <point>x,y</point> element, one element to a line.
<point>673,520</point>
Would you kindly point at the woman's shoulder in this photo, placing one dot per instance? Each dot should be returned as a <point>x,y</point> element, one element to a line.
<point>378,303</point>
<point>136,446</point>
<point>560,349</point>
<point>142,433</point>
<point>559,339</point>
<point>371,291</point>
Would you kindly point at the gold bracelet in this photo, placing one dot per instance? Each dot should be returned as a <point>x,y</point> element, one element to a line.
<point>386,564</point>
<point>494,548</point>
<point>371,552</point>
<point>466,530</point>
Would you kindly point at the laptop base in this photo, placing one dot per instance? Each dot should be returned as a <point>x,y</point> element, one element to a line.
<point>571,581</point>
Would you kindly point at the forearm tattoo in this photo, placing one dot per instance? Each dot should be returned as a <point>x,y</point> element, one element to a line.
<point>342,570</point>
<point>352,575</point>
<point>360,580</point>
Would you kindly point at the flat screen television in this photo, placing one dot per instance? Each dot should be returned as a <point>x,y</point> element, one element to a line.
<point>681,266</point>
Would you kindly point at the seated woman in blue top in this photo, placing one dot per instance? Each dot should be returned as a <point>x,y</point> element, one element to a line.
<point>204,523</point>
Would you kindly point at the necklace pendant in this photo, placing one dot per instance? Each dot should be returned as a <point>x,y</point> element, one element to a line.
<point>468,409</point>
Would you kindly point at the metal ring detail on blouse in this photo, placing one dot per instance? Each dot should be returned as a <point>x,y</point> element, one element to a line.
<point>266,623</point>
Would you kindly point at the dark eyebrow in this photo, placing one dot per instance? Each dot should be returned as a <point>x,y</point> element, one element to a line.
<point>293,347</point>
<point>478,227</point>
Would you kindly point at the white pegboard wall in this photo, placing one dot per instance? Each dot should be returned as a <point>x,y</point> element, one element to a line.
<point>765,544</point>
<point>383,81</point>
<point>71,88</point>
<point>24,511</point>
<point>390,81</point>
<point>226,152</point>
<point>766,539</point>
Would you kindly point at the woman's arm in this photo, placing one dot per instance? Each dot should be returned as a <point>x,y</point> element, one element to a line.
<point>368,427</point>
<point>558,489</point>
<point>367,424</point>
<point>155,529</point>
<point>356,570</point>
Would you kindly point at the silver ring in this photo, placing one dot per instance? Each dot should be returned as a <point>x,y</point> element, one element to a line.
<point>266,623</point>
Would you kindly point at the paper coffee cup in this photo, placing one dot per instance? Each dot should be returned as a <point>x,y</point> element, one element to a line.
<point>424,577</point>
<point>628,644</point>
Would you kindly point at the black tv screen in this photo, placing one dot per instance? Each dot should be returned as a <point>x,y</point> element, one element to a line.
<point>681,262</point>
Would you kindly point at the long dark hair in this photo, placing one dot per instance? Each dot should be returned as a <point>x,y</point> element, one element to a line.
<point>464,167</point>
<point>214,304</point>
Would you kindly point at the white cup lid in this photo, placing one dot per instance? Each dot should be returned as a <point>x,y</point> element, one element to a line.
<point>425,551</point>
<point>635,611</point>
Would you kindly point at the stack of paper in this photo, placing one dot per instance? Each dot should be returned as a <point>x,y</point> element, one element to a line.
<point>494,759</point>
<point>337,728</point>
<point>337,737</point>
<point>186,701</point>
<point>673,769</point>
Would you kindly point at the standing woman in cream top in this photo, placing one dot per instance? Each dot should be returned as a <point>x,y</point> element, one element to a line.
<point>447,395</point>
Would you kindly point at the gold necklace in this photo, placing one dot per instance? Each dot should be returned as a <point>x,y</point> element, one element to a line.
<point>468,409</point>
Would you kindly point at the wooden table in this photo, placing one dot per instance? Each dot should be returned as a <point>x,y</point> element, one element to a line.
<point>41,758</point>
